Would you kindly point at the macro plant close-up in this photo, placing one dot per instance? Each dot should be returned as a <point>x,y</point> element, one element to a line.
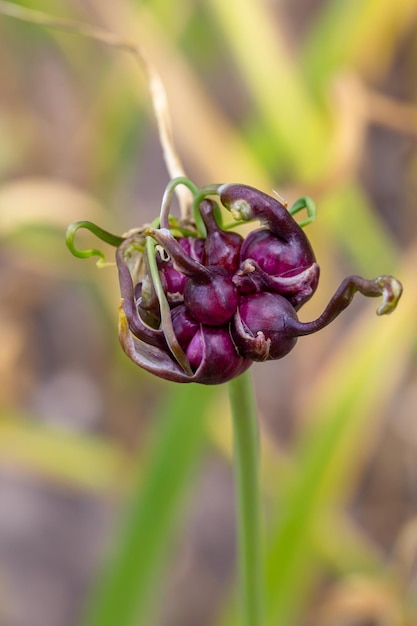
<point>236,182</point>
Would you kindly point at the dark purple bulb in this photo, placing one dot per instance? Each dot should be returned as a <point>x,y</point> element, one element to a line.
<point>259,328</point>
<point>249,203</point>
<point>272,264</point>
<point>274,255</point>
<point>212,352</point>
<point>212,299</point>
<point>173,281</point>
<point>297,288</point>
<point>283,260</point>
<point>193,246</point>
<point>184,325</point>
<point>221,247</point>
<point>209,292</point>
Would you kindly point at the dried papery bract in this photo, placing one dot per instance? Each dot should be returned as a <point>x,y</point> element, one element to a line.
<point>131,303</point>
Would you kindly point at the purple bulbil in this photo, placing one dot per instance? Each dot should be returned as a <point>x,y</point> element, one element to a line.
<point>221,248</point>
<point>260,329</point>
<point>277,257</point>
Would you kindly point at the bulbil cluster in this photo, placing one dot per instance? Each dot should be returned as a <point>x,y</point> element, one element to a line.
<point>203,305</point>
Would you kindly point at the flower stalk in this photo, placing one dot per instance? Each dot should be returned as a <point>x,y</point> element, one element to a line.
<point>248,500</point>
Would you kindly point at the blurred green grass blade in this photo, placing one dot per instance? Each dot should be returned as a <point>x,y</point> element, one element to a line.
<point>348,398</point>
<point>275,84</point>
<point>355,35</point>
<point>79,461</point>
<point>343,548</point>
<point>346,214</point>
<point>124,593</point>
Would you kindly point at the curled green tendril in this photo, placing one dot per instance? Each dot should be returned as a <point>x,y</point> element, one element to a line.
<point>304,203</point>
<point>105,236</point>
<point>167,197</point>
<point>204,192</point>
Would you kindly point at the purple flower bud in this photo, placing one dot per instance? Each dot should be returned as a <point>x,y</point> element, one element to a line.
<point>211,299</point>
<point>194,247</point>
<point>259,328</point>
<point>266,324</point>
<point>209,293</point>
<point>274,255</point>
<point>173,281</point>
<point>247,203</point>
<point>222,248</point>
<point>184,325</point>
<point>212,353</point>
<point>297,288</point>
<point>130,305</point>
<point>281,250</point>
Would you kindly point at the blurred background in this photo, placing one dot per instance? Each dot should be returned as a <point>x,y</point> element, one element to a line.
<point>308,97</point>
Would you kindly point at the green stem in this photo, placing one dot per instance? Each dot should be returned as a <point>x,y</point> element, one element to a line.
<point>167,198</point>
<point>246,459</point>
<point>202,193</point>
